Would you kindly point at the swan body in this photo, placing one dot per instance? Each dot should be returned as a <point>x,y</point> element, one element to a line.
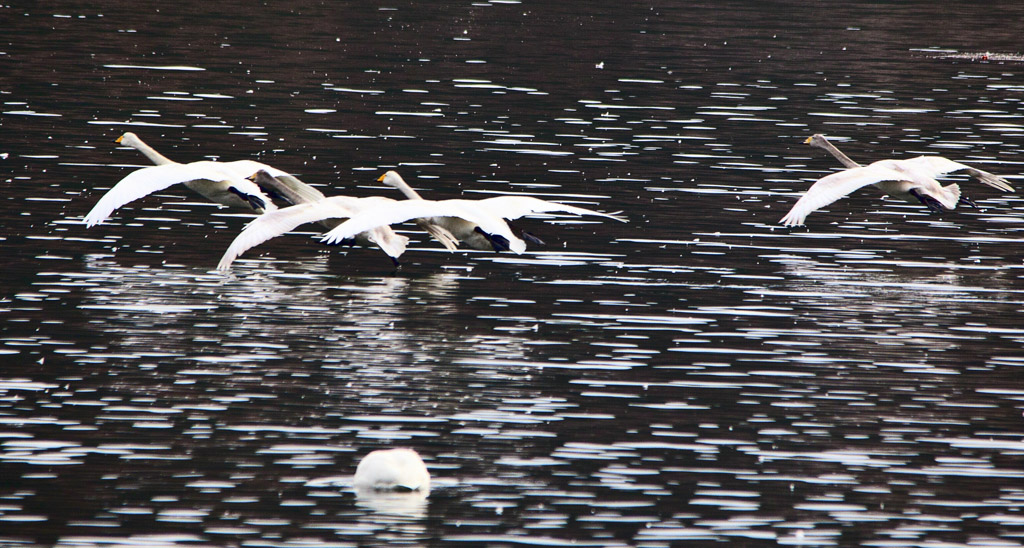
<point>328,212</point>
<point>912,180</point>
<point>392,470</point>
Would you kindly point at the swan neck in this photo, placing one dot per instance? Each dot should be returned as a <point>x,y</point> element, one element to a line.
<point>407,190</point>
<point>838,154</point>
<point>151,153</point>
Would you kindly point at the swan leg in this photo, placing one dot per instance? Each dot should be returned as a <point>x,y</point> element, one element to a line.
<point>928,201</point>
<point>255,201</point>
<point>498,242</point>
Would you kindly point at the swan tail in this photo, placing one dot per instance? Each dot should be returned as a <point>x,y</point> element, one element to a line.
<point>441,234</point>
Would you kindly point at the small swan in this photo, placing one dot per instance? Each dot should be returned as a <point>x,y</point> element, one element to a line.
<point>392,470</point>
<point>328,213</point>
<point>220,182</point>
<point>479,224</point>
<point>912,180</point>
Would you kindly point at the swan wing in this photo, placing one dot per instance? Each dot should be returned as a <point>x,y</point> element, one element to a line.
<point>835,186</point>
<point>143,182</point>
<point>399,212</point>
<point>514,207</point>
<point>934,166</point>
<point>280,182</point>
<point>275,223</point>
<point>389,241</point>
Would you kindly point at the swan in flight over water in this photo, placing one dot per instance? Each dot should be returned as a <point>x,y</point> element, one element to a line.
<point>222,182</point>
<point>328,212</point>
<point>912,180</point>
<point>392,470</point>
<point>477,224</point>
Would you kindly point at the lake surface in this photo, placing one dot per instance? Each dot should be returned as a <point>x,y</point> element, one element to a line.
<point>700,375</point>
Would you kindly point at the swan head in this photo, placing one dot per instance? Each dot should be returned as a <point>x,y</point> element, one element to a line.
<point>817,140</point>
<point>392,470</point>
<point>392,179</point>
<point>262,178</point>
<point>129,139</point>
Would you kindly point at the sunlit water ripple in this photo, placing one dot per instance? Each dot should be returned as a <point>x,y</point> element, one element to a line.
<point>697,375</point>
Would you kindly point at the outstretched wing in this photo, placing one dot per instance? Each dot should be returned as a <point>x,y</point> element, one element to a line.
<point>835,186</point>
<point>280,182</point>
<point>514,207</point>
<point>399,212</point>
<point>934,166</point>
<point>141,183</point>
<point>275,223</point>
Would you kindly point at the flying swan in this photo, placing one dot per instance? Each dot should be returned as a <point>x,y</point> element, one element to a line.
<point>329,213</point>
<point>478,223</point>
<point>220,182</point>
<point>912,180</point>
<point>392,470</point>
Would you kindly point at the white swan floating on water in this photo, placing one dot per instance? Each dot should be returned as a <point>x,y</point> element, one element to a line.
<point>222,182</point>
<point>398,469</point>
<point>912,180</point>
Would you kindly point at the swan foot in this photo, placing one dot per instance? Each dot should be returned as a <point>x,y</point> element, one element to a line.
<point>931,203</point>
<point>964,200</point>
<point>498,242</point>
<point>532,238</point>
<point>255,201</point>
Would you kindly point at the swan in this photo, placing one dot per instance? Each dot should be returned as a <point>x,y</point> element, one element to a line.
<point>328,213</point>
<point>478,223</point>
<point>220,182</point>
<point>912,180</point>
<point>287,186</point>
<point>467,233</point>
<point>392,470</point>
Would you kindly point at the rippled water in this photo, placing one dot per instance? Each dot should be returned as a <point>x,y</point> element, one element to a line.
<point>699,375</point>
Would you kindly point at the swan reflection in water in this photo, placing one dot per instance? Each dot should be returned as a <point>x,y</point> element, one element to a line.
<point>884,312</point>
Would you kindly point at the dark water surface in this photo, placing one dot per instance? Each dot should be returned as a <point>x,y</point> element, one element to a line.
<point>699,375</point>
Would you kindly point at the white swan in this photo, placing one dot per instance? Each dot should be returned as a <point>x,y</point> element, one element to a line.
<point>392,470</point>
<point>287,186</point>
<point>328,212</point>
<point>479,224</point>
<point>912,180</point>
<point>220,182</point>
